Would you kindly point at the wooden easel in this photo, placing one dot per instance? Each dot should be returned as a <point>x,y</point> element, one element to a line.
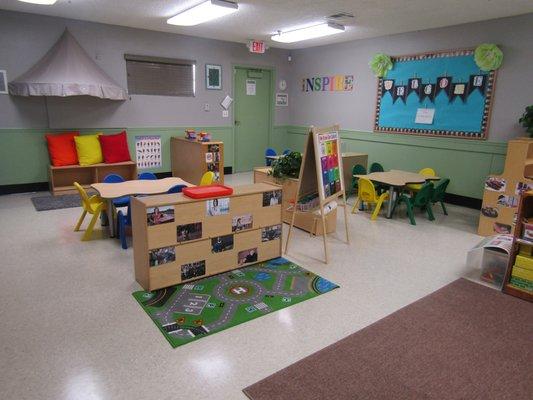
<point>311,177</point>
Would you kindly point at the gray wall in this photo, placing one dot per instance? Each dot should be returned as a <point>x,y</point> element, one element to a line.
<point>25,38</point>
<point>355,110</point>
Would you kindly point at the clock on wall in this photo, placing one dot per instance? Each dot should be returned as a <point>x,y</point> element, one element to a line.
<point>282,84</point>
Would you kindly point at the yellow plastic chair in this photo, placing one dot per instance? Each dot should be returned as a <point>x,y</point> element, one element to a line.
<point>207,178</point>
<point>93,205</point>
<point>415,187</point>
<point>367,193</point>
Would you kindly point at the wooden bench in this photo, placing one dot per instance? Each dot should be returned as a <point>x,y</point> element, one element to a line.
<point>61,179</point>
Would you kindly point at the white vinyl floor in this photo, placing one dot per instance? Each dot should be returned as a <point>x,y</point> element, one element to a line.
<point>70,329</point>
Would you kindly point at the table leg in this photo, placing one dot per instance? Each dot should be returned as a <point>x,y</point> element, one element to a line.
<point>391,202</point>
<point>110,218</point>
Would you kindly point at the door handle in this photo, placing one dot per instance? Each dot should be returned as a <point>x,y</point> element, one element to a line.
<point>237,122</point>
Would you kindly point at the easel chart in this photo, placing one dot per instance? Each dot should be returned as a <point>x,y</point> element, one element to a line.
<point>320,181</point>
<point>435,94</point>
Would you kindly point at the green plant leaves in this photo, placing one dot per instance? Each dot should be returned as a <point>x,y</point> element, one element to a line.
<point>287,166</point>
<point>380,64</point>
<point>488,56</point>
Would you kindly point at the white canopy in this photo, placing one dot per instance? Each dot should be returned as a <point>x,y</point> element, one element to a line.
<point>66,70</point>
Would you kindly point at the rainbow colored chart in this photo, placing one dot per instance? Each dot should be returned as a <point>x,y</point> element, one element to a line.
<point>328,150</point>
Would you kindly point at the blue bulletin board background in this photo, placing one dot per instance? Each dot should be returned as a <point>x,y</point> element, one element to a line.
<point>459,112</point>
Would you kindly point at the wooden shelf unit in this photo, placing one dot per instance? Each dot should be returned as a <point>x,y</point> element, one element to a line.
<point>518,169</point>
<point>61,179</point>
<point>189,159</point>
<point>349,159</point>
<point>305,221</point>
<point>525,210</point>
<point>246,199</point>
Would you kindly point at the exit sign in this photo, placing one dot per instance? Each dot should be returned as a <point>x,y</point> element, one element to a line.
<point>256,46</point>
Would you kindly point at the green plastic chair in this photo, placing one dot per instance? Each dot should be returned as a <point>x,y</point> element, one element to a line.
<point>422,199</point>
<point>438,194</point>
<point>357,169</point>
<point>376,167</point>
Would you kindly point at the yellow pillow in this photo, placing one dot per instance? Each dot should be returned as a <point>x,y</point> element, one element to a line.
<point>89,150</point>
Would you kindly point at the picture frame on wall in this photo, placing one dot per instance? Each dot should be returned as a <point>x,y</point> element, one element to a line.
<point>3,82</point>
<point>282,99</point>
<point>213,77</point>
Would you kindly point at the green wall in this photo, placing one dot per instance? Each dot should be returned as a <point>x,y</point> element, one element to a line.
<point>25,157</point>
<point>465,162</point>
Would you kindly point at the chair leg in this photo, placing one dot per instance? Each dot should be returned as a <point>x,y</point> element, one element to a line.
<point>377,208</point>
<point>429,210</point>
<point>398,201</point>
<point>357,199</point>
<point>89,230</point>
<point>443,208</point>
<point>80,221</point>
<point>410,212</point>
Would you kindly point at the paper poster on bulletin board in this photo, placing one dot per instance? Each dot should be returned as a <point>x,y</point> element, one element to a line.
<point>327,149</point>
<point>148,151</point>
<point>435,94</point>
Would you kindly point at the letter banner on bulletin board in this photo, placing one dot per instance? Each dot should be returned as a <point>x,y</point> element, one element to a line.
<point>148,151</point>
<point>447,85</point>
<point>327,149</point>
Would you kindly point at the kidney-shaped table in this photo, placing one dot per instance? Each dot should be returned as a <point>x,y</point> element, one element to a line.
<point>110,191</point>
<point>396,179</point>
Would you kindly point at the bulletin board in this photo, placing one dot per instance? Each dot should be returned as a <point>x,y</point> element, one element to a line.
<point>435,94</point>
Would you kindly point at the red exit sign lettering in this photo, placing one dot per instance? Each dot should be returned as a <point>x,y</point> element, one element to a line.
<point>256,46</point>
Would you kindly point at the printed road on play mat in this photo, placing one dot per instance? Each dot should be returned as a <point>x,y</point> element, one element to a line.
<point>190,311</point>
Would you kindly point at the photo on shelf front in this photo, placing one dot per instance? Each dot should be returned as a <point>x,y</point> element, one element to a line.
<point>192,270</point>
<point>164,255</point>
<point>221,243</point>
<point>241,222</point>
<point>272,198</point>
<point>507,201</point>
<point>188,232</point>
<point>495,184</point>
<point>217,206</point>
<point>269,233</point>
<point>247,256</point>
<point>159,215</point>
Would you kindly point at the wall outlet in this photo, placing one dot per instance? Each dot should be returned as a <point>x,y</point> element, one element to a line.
<point>225,113</point>
<point>206,107</point>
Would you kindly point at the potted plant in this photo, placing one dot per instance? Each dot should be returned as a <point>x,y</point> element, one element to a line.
<point>287,166</point>
<point>526,120</point>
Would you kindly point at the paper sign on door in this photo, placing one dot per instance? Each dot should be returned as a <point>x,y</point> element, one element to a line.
<point>250,87</point>
<point>425,116</point>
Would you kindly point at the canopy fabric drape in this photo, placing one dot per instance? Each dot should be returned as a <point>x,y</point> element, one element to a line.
<point>67,70</point>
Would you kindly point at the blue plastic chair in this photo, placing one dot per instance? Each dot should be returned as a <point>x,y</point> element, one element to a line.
<point>120,201</point>
<point>286,151</point>
<point>122,222</point>
<point>269,153</point>
<point>176,188</point>
<point>147,176</point>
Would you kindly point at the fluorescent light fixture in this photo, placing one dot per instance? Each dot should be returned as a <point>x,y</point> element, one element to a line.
<point>311,32</point>
<point>203,12</point>
<point>43,2</point>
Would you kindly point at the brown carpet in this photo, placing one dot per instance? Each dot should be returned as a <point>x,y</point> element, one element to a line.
<point>464,341</point>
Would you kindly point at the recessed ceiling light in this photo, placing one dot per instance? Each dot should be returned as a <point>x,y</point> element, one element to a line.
<point>311,32</point>
<point>43,2</point>
<point>203,12</point>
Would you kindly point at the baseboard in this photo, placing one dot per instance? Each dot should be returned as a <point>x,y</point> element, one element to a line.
<point>228,170</point>
<point>24,188</point>
<point>463,201</point>
<point>161,175</point>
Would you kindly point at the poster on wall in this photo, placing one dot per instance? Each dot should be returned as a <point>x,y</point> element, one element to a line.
<point>435,94</point>
<point>327,148</point>
<point>148,151</point>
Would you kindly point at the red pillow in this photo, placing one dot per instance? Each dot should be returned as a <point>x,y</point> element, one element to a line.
<point>115,147</point>
<point>62,148</point>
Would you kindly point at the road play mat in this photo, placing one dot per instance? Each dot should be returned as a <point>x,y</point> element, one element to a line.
<point>190,311</point>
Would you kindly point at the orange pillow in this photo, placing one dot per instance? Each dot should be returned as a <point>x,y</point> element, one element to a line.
<point>62,148</point>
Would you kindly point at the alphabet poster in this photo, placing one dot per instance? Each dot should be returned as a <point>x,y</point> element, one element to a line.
<point>435,94</point>
<point>148,151</point>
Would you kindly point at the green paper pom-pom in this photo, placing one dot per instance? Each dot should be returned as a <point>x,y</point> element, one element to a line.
<point>488,56</point>
<point>380,64</point>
